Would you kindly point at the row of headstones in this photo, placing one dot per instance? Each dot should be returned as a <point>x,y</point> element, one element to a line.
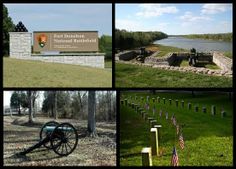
<point>153,150</point>
<point>196,108</point>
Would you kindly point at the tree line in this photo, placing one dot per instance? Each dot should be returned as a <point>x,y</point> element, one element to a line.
<point>90,105</point>
<point>127,40</point>
<point>66,104</point>
<point>219,36</point>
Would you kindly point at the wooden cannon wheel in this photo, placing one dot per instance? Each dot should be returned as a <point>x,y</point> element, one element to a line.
<point>43,133</point>
<point>64,139</point>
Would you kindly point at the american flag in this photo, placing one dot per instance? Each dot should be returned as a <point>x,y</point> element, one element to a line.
<point>166,115</point>
<point>154,110</point>
<point>177,129</point>
<point>181,141</point>
<point>174,159</point>
<point>174,121</point>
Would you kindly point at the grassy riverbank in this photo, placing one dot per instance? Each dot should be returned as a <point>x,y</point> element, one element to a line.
<point>139,76</point>
<point>23,73</point>
<point>164,49</point>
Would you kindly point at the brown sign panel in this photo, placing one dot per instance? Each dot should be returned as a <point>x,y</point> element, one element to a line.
<point>77,41</point>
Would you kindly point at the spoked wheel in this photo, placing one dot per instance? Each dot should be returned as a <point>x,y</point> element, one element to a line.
<point>64,139</point>
<point>44,133</point>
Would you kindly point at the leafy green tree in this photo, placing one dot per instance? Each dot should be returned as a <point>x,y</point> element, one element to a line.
<point>7,26</point>
<point>15,101</point>
<point>105,45</point>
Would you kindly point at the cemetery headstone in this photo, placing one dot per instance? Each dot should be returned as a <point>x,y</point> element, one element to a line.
<point>158,131</point>
<point>196,108</point>
<point>158,99</point>
<point>153,100</point>
<point>154,141</point>
<point>204,109</point>
<point>146,156</point>
<point>189,106</point>
<point>150,119</point>
<point>176,102</point>
<point>153,123</point>
<point>126,102</point>
<point>213,110</point>
<point>132,105</point>
<point>164,100</point>
<point>170,101</point>
<point>223,113</point>
<point>182,103</point>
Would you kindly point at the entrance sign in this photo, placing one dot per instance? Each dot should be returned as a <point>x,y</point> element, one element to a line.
<point>75,41</point>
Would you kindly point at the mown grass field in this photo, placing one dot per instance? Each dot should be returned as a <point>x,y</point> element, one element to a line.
<point>166,49</point>
<point>127,75</point>
<point>208,139</point>
<point>22,73</point>
<point>18,135</point>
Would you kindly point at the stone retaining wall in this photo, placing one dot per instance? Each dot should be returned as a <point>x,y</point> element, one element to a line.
<point>166,60</point>
<point>223,62</point>
<point>197,70</point>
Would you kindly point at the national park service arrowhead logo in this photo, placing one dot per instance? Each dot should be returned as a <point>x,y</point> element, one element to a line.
<point>42,40</point>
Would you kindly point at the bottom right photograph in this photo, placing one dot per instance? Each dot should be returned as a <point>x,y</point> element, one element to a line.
<point>176,128</point>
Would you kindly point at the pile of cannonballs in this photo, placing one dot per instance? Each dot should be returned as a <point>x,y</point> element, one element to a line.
<point>20,27</point>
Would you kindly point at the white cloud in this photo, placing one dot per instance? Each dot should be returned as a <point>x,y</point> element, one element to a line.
<point>189,17</point>
<point>134,25</point>
<point>215,8</point>
<point>127,24</point>
<point>152,10</point>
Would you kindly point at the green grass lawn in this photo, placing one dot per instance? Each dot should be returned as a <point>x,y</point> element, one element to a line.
<point>228,54</point>
<point>22,73</point>
<point>138,76</point>
<point>166,49</point>
<point>108,63</point>
<point>208,139</point>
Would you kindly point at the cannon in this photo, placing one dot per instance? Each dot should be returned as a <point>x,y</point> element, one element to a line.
<point>61,138</point>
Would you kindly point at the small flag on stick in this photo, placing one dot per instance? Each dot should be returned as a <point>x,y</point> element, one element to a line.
<point>181,141</point>
<point>174,159</point>
<point>177,129</point>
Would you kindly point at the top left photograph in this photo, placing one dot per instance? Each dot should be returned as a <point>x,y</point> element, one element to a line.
<point>57,45</point>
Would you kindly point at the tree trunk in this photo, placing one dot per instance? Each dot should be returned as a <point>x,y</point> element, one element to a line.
<point>91,113</point>
<point>55,104</point>
<point>30,107</point>
<point>109,105</point>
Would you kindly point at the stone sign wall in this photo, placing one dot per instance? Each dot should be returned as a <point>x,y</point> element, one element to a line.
<point>76,41</point>
<point>20,48</point>
<point>20,44</point>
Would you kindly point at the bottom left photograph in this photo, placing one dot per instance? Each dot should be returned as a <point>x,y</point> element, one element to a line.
<point>59,128</point>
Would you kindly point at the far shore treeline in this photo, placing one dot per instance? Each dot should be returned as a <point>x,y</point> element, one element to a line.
<point>227,37</point>
<point>127,40</point>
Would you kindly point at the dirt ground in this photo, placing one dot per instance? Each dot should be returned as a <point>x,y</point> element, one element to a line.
<point>98,151</point>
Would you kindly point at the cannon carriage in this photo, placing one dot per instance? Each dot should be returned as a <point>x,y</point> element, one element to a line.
<point>61,138</point>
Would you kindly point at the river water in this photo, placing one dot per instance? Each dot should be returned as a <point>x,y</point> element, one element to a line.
<point>199,44</point>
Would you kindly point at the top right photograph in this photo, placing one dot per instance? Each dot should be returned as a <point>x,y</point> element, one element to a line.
<point>174,45</point>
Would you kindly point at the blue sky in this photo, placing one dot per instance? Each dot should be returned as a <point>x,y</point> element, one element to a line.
<point>175,19</point>
<point>63,17</point>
